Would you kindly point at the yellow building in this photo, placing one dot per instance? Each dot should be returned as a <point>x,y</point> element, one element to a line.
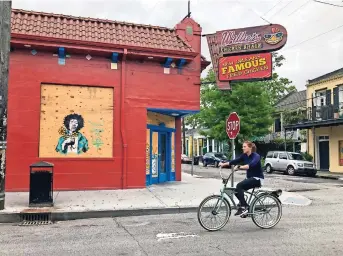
<point>324,121</point>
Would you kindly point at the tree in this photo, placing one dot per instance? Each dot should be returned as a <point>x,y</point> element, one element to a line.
<point>253,101</point>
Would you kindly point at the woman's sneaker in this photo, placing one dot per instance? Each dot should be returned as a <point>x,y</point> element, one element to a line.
<point>241,211</point>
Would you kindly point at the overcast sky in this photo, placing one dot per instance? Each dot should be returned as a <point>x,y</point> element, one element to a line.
<point>307,56</point>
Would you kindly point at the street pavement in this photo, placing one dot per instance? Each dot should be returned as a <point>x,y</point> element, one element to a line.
<point>310,230</point>
<point>316,229</point>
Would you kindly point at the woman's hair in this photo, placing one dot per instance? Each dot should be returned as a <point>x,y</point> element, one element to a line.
<point>251,145</point>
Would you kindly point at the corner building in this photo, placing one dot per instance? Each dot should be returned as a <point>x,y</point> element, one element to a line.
<point>101,100</point>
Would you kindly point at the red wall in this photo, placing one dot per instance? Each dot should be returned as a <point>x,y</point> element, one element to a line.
<point>146,86</point>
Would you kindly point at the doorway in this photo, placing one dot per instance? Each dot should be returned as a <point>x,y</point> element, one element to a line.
<point>324,153</point>
<point>160,157</point>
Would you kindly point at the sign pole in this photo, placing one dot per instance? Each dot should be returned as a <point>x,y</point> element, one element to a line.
<point>233,157</point>
<point>5,34</point>
<point>233,124</point>
<point>192,155</point>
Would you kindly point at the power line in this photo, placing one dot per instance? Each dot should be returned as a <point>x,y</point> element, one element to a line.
<point>299,8</point>
<point>272,8</point>
<point>247,7</point>
<point>319,35</point>
<point>327,3</point>
<point>281,9</point>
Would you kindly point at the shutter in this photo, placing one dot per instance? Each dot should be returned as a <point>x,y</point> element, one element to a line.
<point>313,106</point>
<point>336,99</point>
<point>328,97</point>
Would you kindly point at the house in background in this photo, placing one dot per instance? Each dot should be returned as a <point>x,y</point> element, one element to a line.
<point>324,121</point>
<point>201,144</point>
<point>289,109</point>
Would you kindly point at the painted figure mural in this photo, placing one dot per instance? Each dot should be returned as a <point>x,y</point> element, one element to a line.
<point>71,140</point>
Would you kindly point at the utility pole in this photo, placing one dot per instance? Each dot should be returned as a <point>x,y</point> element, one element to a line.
<point>5,35</point>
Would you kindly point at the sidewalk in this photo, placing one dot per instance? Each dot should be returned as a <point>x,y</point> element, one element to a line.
<point>175,197</point>
<point>330,175</point>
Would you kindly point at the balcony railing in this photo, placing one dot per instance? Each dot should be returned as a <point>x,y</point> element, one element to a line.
<point>320,113</point>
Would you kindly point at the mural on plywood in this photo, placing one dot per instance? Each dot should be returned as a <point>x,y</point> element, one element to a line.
<point>173,152</point>
<point>85,117</point>
<point>154,155</point>
<point>147,152</point>
<point>72,141</point>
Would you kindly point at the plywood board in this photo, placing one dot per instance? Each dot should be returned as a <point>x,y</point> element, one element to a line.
<point>147,152</point>
<point>76,121</point>
<point>154,155</point>
<point>157,119</point>
<point>173,152</point>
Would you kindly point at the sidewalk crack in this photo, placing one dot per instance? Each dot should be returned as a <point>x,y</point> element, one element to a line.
<point>130,234</point>
<point>158,198</point>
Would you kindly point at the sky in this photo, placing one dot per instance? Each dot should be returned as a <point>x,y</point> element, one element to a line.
<point>315,30</point>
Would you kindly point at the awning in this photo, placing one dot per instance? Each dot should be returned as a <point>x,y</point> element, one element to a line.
<point>173,112</point>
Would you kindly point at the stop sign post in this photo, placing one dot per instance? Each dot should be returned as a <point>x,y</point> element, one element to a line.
<point>233,126</point>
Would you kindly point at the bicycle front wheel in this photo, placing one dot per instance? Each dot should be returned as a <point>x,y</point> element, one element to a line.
<point>213,213</point>
<point>266,211</point>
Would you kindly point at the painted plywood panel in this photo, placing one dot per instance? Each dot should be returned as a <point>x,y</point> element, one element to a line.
<point>173,152</point>
<point>76,121</point>
<point>156,119</point>
<point>147,152</point>
<point>154,155</point>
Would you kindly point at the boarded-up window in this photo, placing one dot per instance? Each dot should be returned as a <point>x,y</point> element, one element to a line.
<point>76,121</point>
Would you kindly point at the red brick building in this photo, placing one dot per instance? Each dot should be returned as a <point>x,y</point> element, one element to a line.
<point>101,100</point>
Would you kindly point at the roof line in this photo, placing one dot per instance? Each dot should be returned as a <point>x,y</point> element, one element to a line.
<point>89,19</point>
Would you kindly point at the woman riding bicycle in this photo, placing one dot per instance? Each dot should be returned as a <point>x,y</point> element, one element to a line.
<point>254,178</point>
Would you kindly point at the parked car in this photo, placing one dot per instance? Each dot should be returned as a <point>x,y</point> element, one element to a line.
<point>188,160</point>
<point>213,159</point>
<point>289,162</point>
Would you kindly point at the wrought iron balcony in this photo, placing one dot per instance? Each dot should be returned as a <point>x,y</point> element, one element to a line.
<point>317,116</point>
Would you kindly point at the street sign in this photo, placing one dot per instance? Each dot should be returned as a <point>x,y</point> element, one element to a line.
<point>233,125</point>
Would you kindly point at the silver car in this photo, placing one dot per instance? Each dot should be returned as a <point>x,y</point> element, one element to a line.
<point>288,162</point>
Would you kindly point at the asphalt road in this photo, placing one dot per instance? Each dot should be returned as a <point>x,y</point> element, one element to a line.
<point>312,230</point>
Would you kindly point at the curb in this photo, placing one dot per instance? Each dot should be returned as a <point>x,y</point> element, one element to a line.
<point>329,177</point>
<point>15,217</point>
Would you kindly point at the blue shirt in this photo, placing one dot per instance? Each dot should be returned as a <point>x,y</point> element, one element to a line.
<point>254,161</point>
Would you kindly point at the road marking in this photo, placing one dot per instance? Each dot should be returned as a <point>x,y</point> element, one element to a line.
<point>165,236</point>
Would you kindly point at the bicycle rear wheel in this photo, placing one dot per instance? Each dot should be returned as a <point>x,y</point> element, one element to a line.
<point>266,211</point>
<point>213,213</point>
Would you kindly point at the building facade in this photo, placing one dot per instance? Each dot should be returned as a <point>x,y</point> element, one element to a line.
<point>198,144</point>
<point>101,100</point>
<point>324,121</point>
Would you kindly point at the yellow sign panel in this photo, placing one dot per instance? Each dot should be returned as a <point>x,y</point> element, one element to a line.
<point>76,121</point>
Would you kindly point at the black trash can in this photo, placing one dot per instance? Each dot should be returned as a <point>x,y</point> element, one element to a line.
<point>41,185</point>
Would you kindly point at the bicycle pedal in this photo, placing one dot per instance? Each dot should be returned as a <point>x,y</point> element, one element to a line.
<point>244,216</point>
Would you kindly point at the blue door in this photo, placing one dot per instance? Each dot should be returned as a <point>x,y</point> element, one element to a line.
<point>163,159</point>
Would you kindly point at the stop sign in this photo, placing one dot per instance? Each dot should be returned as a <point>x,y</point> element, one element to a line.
<point>233,125</point>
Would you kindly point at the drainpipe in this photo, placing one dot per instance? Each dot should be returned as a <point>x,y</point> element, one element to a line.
<point>122,119</point>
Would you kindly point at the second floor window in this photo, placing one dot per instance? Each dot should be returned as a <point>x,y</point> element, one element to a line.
<point>319,99</point>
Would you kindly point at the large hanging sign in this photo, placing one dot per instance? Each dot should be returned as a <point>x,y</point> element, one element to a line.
<point>249,67</point>
<point>261,39</point>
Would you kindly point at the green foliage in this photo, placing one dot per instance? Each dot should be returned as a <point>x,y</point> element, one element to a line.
<point>307,156</point>
<point>293,116</point>
<point>253,101</point>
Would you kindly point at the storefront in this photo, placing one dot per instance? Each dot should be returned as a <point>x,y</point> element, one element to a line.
<point>101,100</point>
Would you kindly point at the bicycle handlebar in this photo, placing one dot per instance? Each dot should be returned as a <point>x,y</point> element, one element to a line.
<point>236,168</point>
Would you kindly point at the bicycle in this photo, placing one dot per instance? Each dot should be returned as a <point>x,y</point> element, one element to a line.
<point>225,202</point>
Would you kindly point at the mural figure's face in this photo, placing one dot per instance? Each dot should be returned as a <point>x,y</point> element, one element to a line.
<point>73,124</point>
